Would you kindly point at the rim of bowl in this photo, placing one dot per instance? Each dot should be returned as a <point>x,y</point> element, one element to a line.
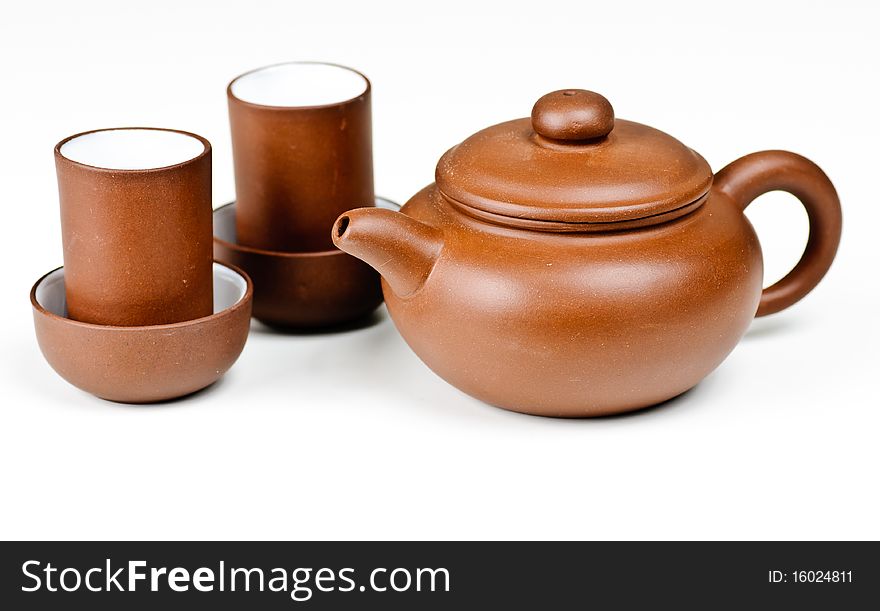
<point>202,139</point>
<point>364,93</point>
<point>245,299</point>
<point>285,254</point>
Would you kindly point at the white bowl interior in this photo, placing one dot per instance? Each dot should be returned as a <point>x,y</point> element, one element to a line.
<point>224,223</point>
<point>132,149</point>
<point>299,84</point>
<point>229,288</point>
<point>224,219</point>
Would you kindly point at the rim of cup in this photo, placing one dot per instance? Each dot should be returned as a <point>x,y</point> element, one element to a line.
<point>299,85</point>
<point>239,291</point>
<point>132,149</point>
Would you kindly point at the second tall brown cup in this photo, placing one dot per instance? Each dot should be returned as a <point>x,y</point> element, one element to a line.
<point>136,226</point>
<point>302,149</point>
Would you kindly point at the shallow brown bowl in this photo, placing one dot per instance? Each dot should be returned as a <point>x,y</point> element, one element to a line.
<point>144,364</point>
<point>301,290</point>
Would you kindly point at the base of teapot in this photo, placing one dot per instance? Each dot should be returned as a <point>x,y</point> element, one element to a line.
<point>595,412</point>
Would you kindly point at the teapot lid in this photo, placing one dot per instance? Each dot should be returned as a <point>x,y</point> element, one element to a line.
<point>572,163</point>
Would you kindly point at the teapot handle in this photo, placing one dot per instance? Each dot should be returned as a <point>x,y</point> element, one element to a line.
<point>753,175</point>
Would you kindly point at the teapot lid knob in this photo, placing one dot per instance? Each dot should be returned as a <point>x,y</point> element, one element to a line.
<point>573,114</point>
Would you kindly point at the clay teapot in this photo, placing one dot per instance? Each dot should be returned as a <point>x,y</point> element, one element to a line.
<point>574,264</point>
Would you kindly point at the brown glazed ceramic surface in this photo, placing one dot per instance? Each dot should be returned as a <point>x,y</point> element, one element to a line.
<point>562,269</point>
<point>298,168</point>
<point>300,290</point>
<point>137,243</point>
<point>143,364</point>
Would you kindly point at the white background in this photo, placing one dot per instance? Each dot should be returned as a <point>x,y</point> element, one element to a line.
<point>349,435</point>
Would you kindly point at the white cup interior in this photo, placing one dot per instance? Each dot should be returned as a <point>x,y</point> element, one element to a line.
<point>299,84</point>
<point>229,288</point>
<point>132,149</point>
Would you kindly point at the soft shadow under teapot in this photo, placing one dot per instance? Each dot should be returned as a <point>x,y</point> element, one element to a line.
<point>574,264</point>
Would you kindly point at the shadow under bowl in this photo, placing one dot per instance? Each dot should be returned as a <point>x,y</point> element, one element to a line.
<point>301,290</point>
<point>144,364</point>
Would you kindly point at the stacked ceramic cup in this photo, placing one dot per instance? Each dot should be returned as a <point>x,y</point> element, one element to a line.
<point>139,312</point>
<point>302,149</point>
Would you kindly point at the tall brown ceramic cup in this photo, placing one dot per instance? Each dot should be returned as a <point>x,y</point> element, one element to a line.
<point>302,149</point>
<point>136,226</point>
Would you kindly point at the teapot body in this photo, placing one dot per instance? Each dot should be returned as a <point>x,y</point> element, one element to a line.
<point>580,324</point>
<point>575,264</point>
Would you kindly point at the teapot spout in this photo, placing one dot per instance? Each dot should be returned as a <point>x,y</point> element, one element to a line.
<point>402,249</point>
